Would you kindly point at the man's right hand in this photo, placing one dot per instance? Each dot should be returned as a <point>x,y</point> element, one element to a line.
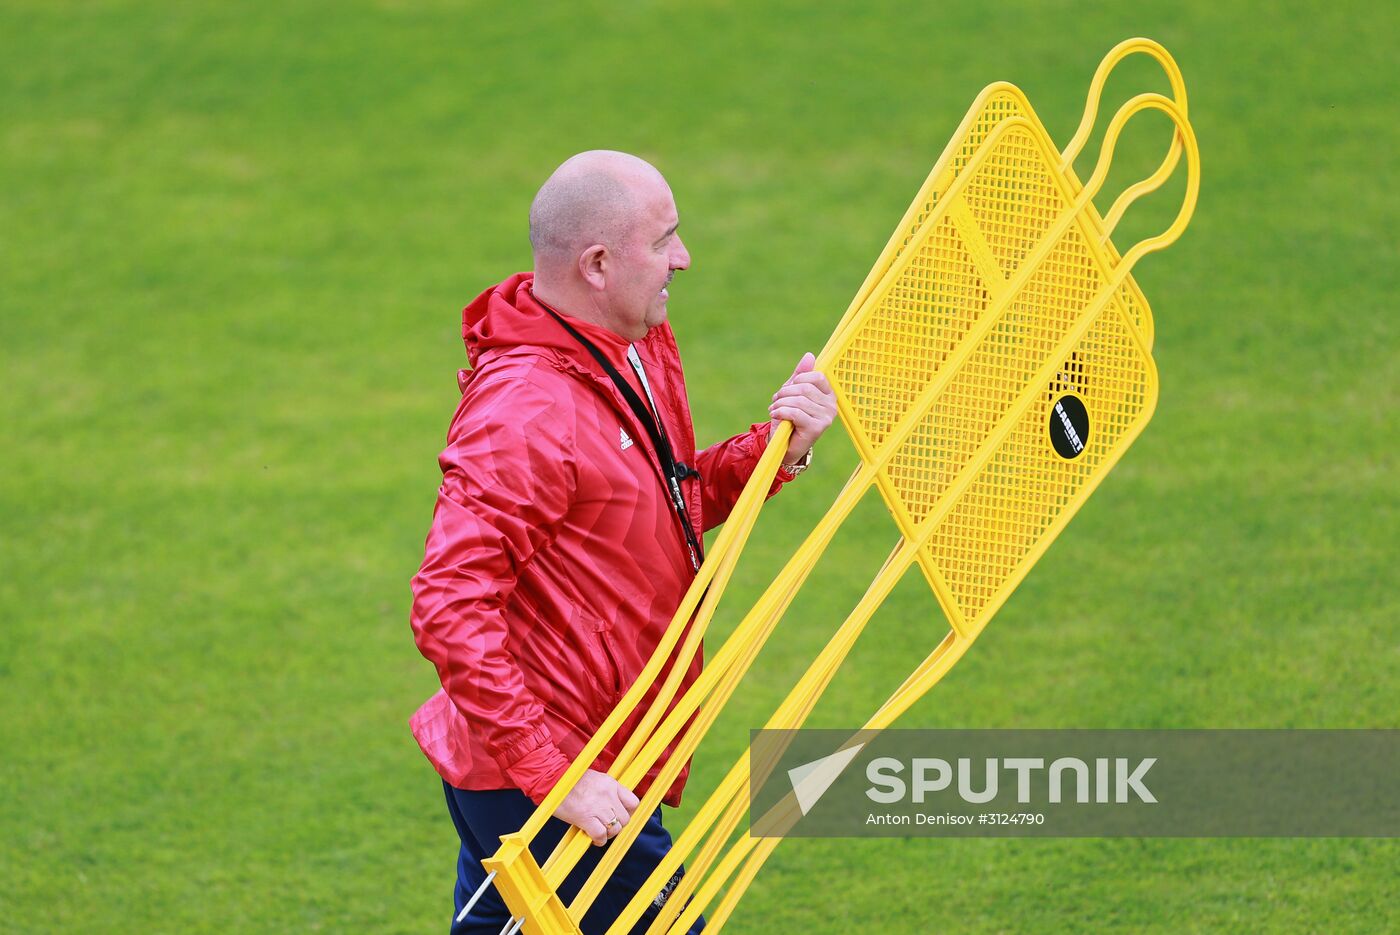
<point>598,805</point>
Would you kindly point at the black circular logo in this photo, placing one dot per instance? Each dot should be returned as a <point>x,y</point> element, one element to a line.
<point>1068,426</point>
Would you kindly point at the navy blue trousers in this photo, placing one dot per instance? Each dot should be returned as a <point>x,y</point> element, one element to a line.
<point>482,818</point>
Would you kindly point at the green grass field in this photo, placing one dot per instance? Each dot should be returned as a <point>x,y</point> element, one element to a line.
<point>234,242</point>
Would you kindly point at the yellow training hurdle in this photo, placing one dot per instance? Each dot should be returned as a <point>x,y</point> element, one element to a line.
<point>991,370</point>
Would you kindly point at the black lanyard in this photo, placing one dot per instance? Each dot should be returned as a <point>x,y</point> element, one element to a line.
<point>674,471</point>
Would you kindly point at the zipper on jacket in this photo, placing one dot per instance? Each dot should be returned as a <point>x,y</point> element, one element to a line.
<point>614,671</point>
<point>672,471</point>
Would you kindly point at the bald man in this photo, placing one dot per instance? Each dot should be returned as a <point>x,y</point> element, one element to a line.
<point>568,525</point>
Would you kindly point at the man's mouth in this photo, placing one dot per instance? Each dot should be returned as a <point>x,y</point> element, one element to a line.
<point>665,294</point>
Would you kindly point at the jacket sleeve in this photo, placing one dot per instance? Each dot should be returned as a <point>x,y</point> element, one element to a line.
<point>509,473</point>
<point>725,467</point>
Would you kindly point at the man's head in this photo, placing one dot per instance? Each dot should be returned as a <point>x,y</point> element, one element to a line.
<point>603,232</point>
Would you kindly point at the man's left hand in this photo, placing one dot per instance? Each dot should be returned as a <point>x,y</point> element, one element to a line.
<point>807,401</point>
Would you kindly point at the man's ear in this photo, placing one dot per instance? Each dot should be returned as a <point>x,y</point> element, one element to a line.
<point>593,266</point>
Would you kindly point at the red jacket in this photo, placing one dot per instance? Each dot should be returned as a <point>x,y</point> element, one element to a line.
<point>555,560</point>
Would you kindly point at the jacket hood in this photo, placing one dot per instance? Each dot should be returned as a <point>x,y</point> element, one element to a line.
<point>507,316</point>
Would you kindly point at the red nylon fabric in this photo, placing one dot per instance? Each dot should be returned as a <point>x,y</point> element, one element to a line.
<point>555,560</point>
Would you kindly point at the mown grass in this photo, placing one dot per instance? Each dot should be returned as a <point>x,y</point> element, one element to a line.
<point>235,242</point>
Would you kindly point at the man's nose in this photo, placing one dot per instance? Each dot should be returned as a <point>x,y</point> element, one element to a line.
<point>680,256</point>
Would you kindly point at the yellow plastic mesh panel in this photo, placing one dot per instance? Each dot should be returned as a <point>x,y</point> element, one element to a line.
<point>996,371</point>
<point>1129,297</point>
<point>988,540</point>
<point>994,375</point>
<point>909,334</point>
<point>934,296</point>
<point>1014,199</point>
<point>999,106</point>
<point>1132,302</point>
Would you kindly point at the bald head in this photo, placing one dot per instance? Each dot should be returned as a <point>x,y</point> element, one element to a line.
<point>604,229</point>
<point>594,197</point>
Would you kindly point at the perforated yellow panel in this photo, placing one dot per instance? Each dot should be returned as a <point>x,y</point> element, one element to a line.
<point>1001,301</point>
<point>996,103</point>
<point>989,537</point>
<point>993,106</point>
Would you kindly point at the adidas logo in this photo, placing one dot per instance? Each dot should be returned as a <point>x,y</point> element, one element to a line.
<point>626,440</point>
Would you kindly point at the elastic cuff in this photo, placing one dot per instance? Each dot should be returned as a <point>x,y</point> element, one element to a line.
<point>537,772</point>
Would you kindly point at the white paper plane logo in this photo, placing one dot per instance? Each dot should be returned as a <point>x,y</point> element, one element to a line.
<point>811,780</point>
<point>626,440</point>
